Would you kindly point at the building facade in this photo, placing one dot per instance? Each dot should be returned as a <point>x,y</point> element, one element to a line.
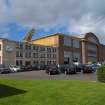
<point>84,48</point>
<point>18,53</point>
<point>53,49</point>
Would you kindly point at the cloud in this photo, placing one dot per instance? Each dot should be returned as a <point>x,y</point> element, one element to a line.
<point>80,16</point>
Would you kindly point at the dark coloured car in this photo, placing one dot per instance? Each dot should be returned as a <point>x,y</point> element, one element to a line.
<point>4,69</point>
<point>41,66</point>
<point>62,68</point>
<point>52,70</point>
<point>94,67</point>
<point>88,69</point>
<point>35,67</point>
<point>79,67</point>
<point>70,69</point>
<point>27,68</point>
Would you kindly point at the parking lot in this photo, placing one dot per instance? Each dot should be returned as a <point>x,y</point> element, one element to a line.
<point>41,75</point>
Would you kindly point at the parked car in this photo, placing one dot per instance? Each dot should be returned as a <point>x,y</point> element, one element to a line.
<point>22,68</point>
<point>70,69</point>
<point>28,68</point>
<point>95,67</point>
<point>41,66</point>
<point>4,69</point>
<point>52,70</point>
<point>62,68</point>
<point>14,68</point>
<point>88,69</point>
<point>35,67</point>
<point>79,68</point>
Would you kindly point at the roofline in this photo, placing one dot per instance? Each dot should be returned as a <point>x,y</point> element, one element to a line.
<point>57,34</point>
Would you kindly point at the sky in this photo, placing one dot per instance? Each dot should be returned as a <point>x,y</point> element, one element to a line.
<point>69,17</point>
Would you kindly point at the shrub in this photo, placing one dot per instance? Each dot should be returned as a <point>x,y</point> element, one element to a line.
<point>101,73</point>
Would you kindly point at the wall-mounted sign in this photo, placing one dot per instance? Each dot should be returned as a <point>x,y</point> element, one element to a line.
<point>9,48</point>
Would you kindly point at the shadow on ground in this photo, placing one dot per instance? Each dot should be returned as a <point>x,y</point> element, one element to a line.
<point>6,91</point>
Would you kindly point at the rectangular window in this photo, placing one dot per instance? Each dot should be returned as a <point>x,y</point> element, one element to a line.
<point>48,55</point>
<point>35,48</point>
<point>35,55</point>
<point>21,46</point>
<point>54,55</point>
<point>42,49</point>
<point>76,43</point>
<point>21,54</point>
<point>35,62</point>
<point>48,49</point>
<point>17,54</point>
<point>42,55</point>
<point>67,42</point>
<point>42,62</point>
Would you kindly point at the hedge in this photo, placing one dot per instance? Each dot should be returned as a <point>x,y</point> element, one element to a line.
<point>101,73</point>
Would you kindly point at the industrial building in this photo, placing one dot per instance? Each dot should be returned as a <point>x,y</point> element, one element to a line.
<point>52,49</point>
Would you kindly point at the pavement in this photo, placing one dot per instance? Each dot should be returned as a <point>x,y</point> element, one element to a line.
<point>41,75</point>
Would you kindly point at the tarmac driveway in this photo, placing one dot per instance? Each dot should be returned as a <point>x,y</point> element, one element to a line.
<point>41,75</point>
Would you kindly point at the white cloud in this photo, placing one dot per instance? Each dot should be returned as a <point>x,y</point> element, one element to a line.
<point>80,15</point>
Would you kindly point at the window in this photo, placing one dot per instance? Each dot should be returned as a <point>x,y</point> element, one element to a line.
<point>48,55</point>
<point>48,62</point>
<point>54,55</point>
<point>21,46</point>
<point>35,62</point>
<point>35,55</point>
<point>17,54</point>
<point>54,62</point>
<point>28,54</point>
<point>67,42</point>
<point>76,43</point>
<point>42,49</point>
<point>21,54</point>
<point>42,55</point>
<point>42,62</point>
<point>35,48</point>
<point>48,49</point>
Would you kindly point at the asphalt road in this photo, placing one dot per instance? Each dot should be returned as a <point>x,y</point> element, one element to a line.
<point>41,75</point>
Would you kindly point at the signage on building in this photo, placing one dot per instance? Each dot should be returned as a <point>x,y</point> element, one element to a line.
<point>9,48</point>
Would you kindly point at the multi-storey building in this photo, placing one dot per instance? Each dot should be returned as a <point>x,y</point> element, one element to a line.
<point>19,53</point>
<point>82,48</point>
<point>53,49</point>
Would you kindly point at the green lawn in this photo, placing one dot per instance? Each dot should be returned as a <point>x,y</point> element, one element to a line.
<point>54,92</point>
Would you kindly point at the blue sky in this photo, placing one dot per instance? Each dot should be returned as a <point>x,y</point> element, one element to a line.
<point>17,17</point>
